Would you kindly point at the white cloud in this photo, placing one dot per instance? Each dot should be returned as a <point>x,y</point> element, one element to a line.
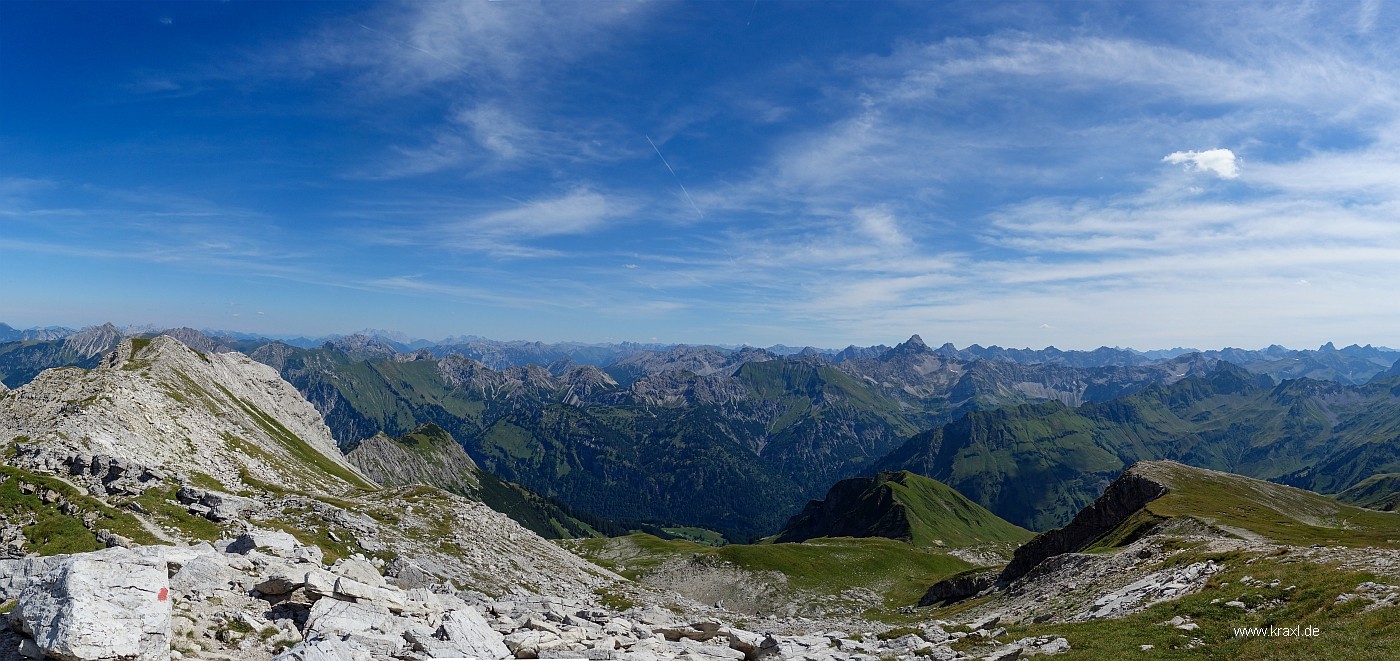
<point>508,232</point>
<point>577,212</point>
<point>880,225</point>
<point>1221,162</point>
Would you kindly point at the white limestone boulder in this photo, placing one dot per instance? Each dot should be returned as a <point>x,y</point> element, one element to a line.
<point>105,604</point>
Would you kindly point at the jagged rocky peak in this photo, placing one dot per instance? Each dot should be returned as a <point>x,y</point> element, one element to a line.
<point>157,403</point>
<point>196,340</point>
<point>533,377</point>
<point>585,382</point>
<point>459,371</point>
<point>854,352</point>
<point>274,354</point>
<point>94,341</point>
<point>589,376</point>
<point>912,348</point>
<point>914,343</point>
<point>362,347</point>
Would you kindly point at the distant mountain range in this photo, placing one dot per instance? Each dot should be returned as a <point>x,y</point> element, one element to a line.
<point>738,439</point>
<point>1350,364</point>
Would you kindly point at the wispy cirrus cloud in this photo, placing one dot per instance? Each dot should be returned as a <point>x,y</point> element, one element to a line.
<point>508,59</point>
<point>511,228</point>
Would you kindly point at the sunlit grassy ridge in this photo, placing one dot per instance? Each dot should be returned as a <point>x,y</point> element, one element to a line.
<point>1279,513</point>
<point>901,505</point>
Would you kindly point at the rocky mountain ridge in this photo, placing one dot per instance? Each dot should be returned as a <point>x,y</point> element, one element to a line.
<point>789,425</point>
<point>282,554</point>
<point>218,551</point>
<point>158,403</point>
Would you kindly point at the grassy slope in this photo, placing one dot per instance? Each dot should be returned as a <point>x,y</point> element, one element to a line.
<point>1345,633</point>
<point>433,445</point>
<point>1251,507</point>
<point>903,506</point>
<point>938,512</point>
<point>1279,513</point>
<point>1378,492</point>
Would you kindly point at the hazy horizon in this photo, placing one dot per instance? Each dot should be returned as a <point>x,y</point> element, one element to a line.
<point>407,338</point>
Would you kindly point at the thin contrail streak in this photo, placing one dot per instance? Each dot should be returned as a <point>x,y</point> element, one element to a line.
<point>674,176</point>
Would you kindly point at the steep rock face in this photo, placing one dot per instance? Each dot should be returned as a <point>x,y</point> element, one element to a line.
<point>158,403</point>
<point>94,341</point>
<point>1128,494</point>
<point>585,383</point>
<point>196,340</point>
<point>427,455</point>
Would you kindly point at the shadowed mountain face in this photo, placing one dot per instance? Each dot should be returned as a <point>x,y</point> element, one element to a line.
<point>429,455</point>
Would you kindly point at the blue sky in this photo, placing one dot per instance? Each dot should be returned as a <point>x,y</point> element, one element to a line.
<point>1146,174</point>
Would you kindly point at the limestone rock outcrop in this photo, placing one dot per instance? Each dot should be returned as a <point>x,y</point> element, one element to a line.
<point>158,403</point>
<point>1126,495</point>
<point>105,604</point>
